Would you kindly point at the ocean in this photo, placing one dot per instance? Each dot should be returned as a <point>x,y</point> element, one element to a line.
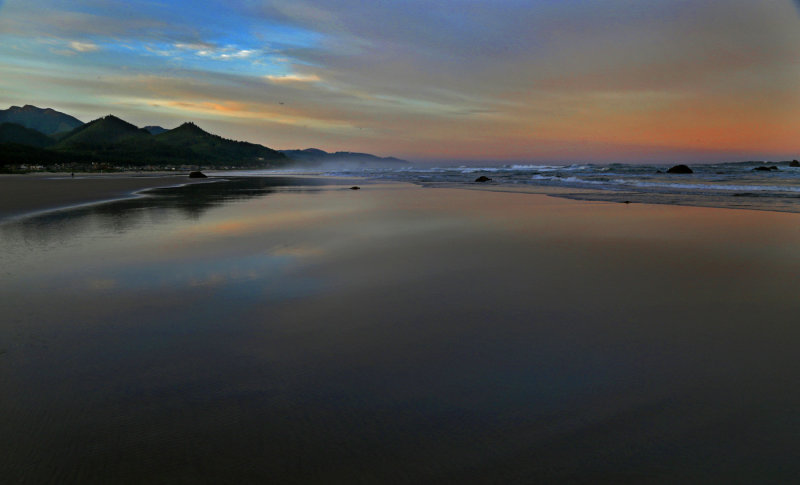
<point>726,185</point>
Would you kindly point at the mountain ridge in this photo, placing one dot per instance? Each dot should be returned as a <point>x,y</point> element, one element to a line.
<point>106,130</point>
<point>112,141</point>
<point>316,156</point>
<point>43,120</point>
<point>190,136</point>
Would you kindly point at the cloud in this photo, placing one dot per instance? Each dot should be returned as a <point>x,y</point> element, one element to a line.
<point>440,77</point>
<point>238,54</point>
<point>197,46</point>
<point>67,20</point>
<point>293,78</point>
<point>84,46</point>
<point>227,53</point>
<point>216,52</point>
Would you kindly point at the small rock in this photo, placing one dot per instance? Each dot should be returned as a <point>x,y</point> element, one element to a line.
<point>765,169</point>
<point>794,163</point>
<point>483,178</point>
<point>355,187</point>
<point>626,202</point>
<point>680,169</point>
<point>197,175</point>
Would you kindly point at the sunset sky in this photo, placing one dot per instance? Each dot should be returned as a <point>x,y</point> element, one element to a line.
<point>532,80</point>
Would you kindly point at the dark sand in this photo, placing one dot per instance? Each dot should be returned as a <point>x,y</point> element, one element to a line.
<point>397,334</point>
<point>23,194</point>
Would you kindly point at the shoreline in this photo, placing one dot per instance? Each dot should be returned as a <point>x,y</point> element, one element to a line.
<point>27,195</point>
<point>589,195</point>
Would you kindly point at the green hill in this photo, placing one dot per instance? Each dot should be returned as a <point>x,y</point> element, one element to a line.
<point>15,133</point>
<point>214,149</point>
<point>36,136</point>
<point>104,131</point>
<point>113,140</point>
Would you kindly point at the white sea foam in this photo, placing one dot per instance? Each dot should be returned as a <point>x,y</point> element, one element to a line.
<point>570,179</point>
<point>480,169</point>
<point>681,186</point>
<point>726,187</point>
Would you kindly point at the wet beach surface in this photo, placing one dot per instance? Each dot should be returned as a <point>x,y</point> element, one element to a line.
<point>301,332</point>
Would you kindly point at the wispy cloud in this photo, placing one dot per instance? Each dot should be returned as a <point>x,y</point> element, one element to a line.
<point>213,51</point>
<point>293,78</point>
<point>425,77</point>
<point>83,46</point>
<point>193,46</point>
<point>226,53</point>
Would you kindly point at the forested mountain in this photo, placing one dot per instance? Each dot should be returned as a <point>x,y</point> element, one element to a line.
<point>44,120</point>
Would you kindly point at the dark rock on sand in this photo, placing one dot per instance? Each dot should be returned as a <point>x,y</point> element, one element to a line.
<point>355,187</point>
<point>197,175</point>
<point>483,178</point>
<point>794,163</point>
<point>680,169</point>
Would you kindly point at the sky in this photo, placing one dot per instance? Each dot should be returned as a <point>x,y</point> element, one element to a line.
<point>426,80</point>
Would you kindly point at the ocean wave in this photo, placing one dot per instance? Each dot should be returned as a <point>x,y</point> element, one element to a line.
<point>725,187</point>
<point>638,183</point>
<point>550,168</point>
<point>571,179</point>
<point>716,185</point>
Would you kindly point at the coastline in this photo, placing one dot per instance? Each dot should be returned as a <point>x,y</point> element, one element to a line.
<point>24,195</point>
<point>31,194</point>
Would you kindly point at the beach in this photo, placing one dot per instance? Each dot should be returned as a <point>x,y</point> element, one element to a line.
<point>291,330</point>
<point>23,194</point>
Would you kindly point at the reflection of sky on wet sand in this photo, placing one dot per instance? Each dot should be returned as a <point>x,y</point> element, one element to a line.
<point>133,245</point>
<point>179,225</point>
<point>344,335</point>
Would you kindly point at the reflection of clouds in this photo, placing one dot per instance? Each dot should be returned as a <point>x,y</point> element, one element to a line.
<point>182,238</point>
<point>102,284</point>
<point>226,227</point>
<point>289,219</point>
<point>304,252</point>
<point>220,279</point>
<point>248,278</point>
<point>194,272</point>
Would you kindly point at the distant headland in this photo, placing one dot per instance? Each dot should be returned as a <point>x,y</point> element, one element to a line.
<point>33,138</point>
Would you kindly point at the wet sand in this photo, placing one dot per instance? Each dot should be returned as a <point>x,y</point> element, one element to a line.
<point>397,334</point>
<point>24,194</point>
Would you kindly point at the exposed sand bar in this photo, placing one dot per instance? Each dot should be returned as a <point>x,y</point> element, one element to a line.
<point>23,194</point>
